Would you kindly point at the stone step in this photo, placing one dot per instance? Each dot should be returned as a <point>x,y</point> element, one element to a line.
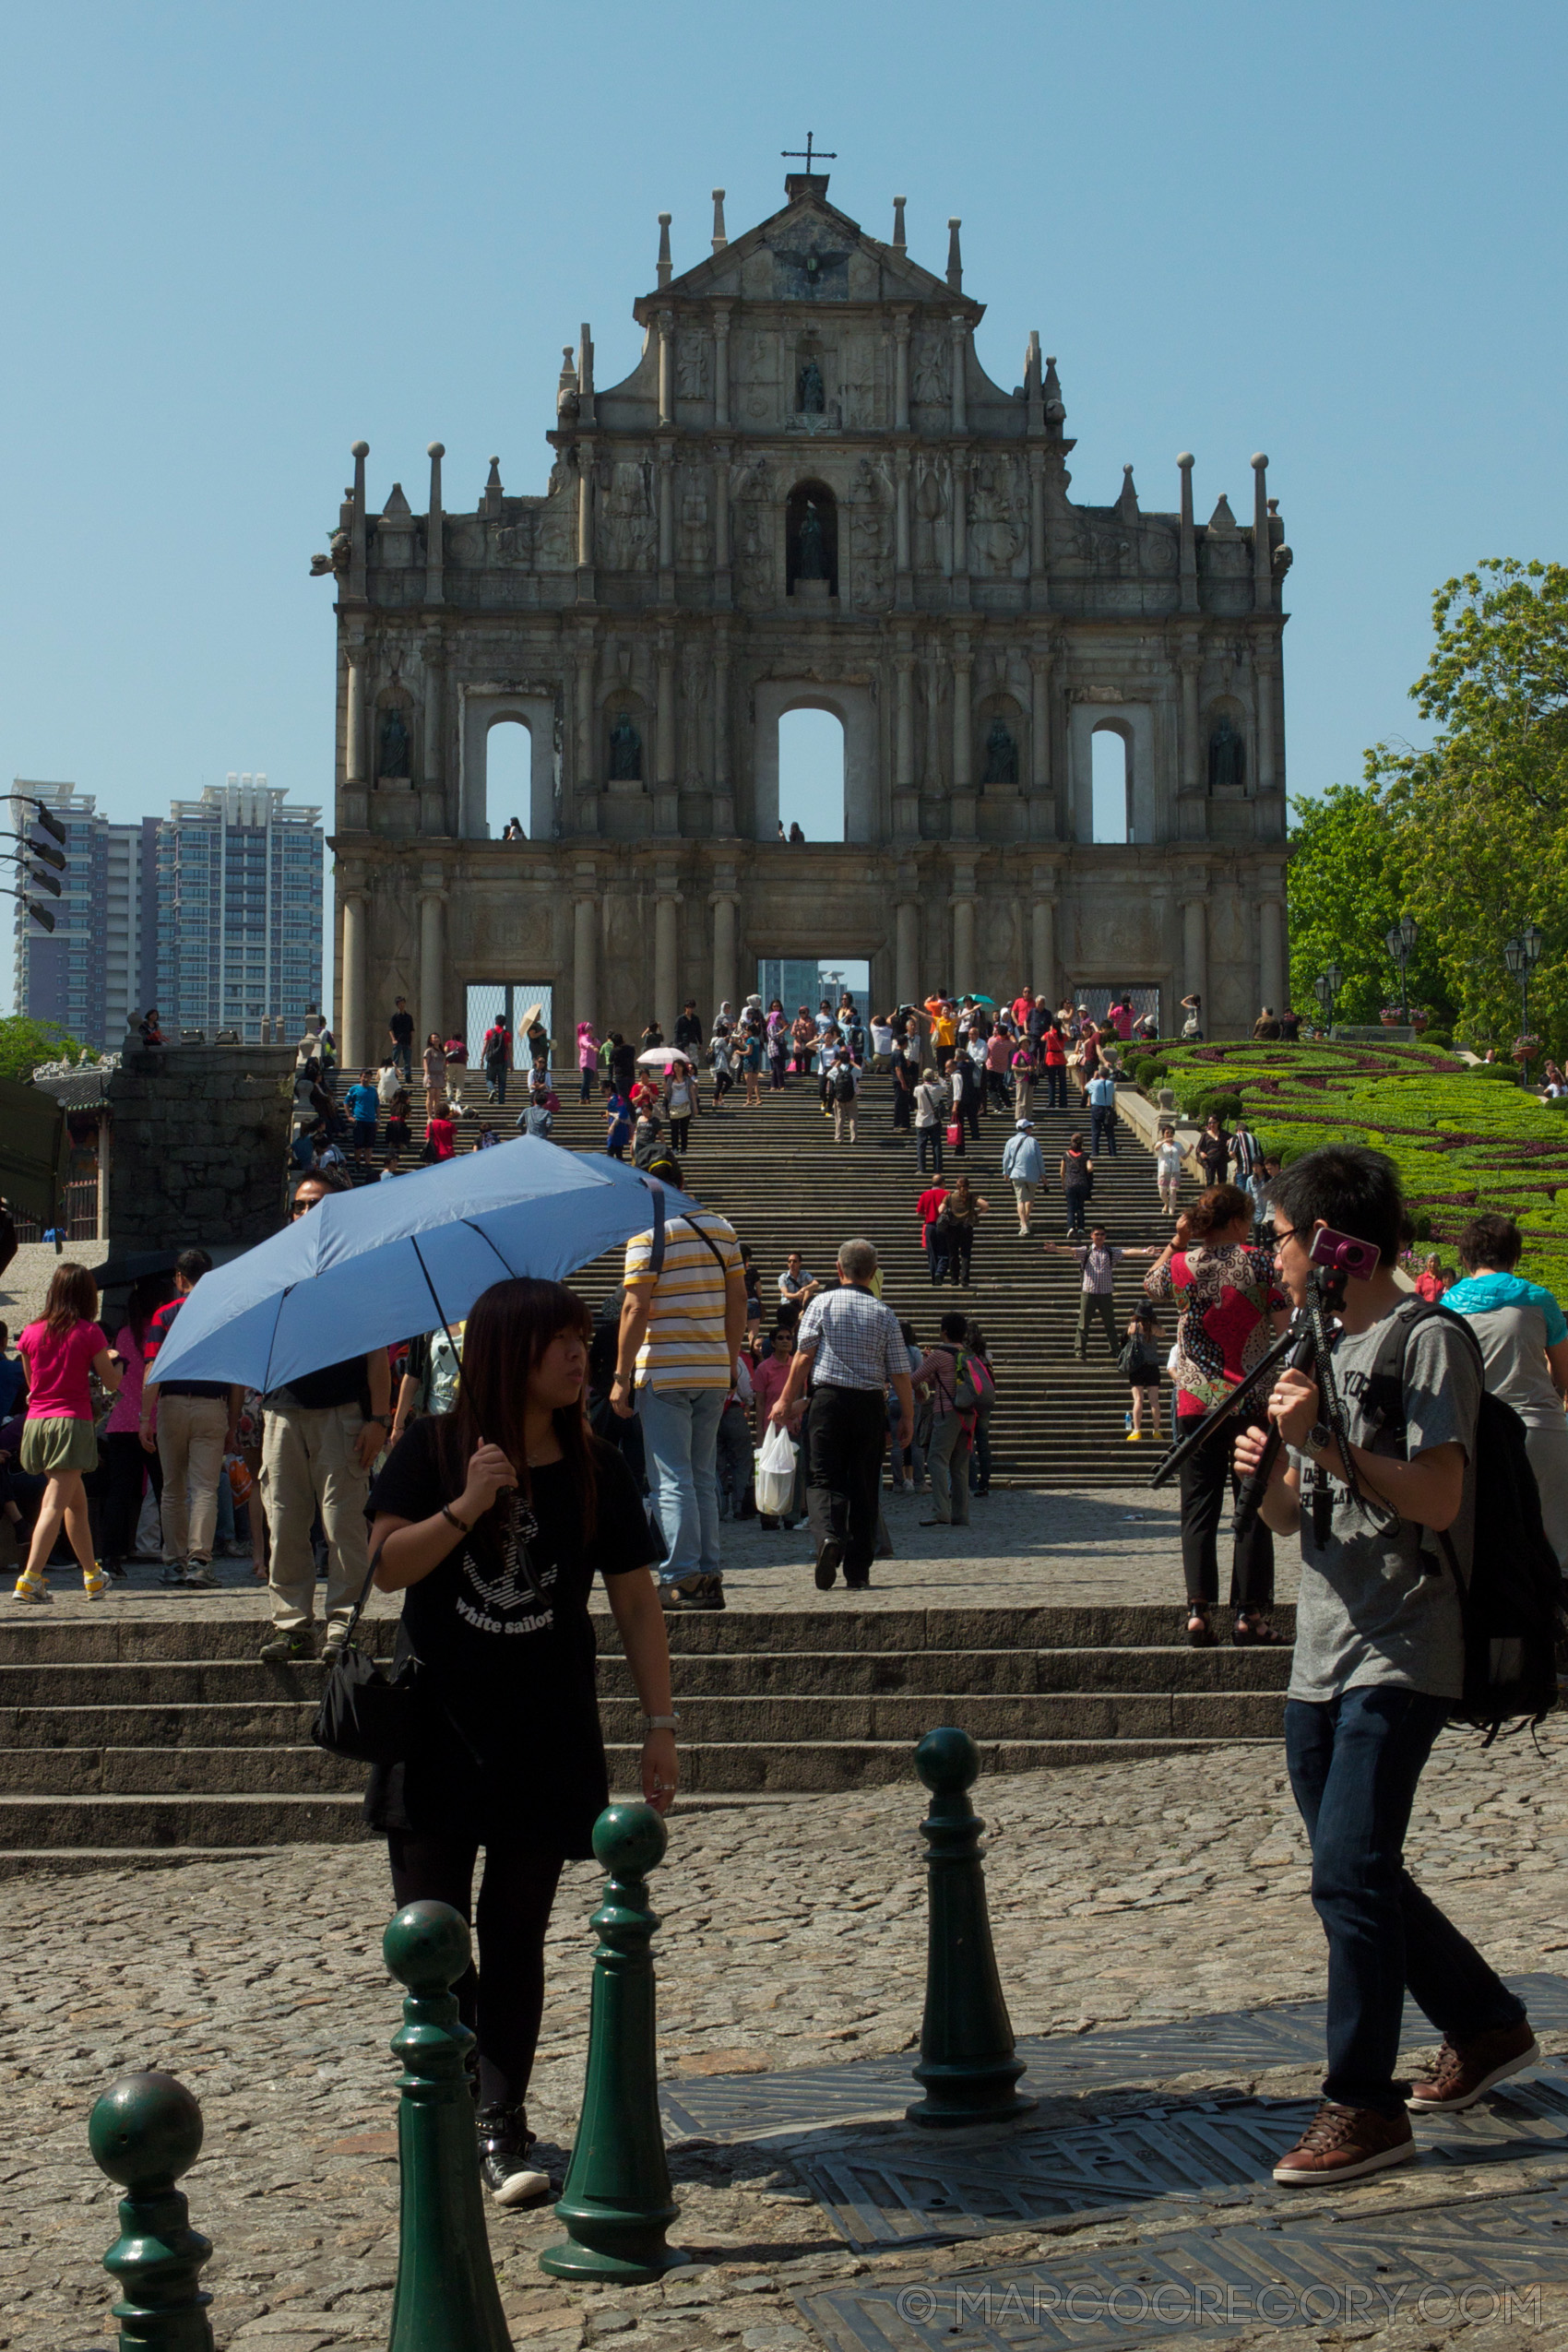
<point>125,1634</point>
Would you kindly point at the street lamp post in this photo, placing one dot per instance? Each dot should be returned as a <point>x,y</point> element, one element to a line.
<point>1400,941</point>
<point>1522,954</point>
<point>1326,988</point>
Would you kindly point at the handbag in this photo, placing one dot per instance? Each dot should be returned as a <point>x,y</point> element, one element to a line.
<point>365,1713</point>
<point>954,1135</point>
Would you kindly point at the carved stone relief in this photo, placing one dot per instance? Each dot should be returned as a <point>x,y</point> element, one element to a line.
<point>931,506</point>
<point>692,510</point>
<point>691,367</point>
<point>931,371</point>
<point>628,531</point>
<point>995,534</point>
<point>871,535</point>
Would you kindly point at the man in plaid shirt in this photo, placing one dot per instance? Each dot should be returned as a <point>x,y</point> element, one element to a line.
<point>850,1349</point>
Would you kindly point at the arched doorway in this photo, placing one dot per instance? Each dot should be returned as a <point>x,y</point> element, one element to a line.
<point>1113,756</point>
<point>810,542</point>
<point>810,773</point>
<point>509,771</point>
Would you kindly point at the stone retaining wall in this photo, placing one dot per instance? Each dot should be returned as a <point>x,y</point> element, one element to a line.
<point>198,1138</point>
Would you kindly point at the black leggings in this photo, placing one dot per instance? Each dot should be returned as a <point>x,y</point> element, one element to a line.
<point>680,1132</point>
<point>1206,1475</point>
<point>503,2000</point>
<point>124,1459</point>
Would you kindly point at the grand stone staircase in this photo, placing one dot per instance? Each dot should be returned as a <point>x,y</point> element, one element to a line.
<point>143,1734</point>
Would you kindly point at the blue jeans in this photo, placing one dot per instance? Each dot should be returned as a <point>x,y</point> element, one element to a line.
<point>680,1433</point>
<point>1354,1763</point>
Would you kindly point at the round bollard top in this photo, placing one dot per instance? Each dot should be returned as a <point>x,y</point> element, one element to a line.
<point>629,1840</point>
<point>426,1946</point>
<point>145,2129</point>
<point>947,1759</point>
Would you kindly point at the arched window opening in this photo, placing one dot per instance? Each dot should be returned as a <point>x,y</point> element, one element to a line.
<point>1112,785</point>
<point>508,774</point>
<point>811,534</point>
<point>811,775</point>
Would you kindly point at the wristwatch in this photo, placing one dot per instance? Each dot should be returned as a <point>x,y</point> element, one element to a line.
<point>1320,1437</point>
<point>661,1722</point>
<point>385,1420</point>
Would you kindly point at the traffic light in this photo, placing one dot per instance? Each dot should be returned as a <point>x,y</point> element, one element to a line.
<point>25,847</point>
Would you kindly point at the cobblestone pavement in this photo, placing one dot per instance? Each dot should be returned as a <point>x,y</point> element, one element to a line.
<point>793,1936</point>
<point>1024,1547</point>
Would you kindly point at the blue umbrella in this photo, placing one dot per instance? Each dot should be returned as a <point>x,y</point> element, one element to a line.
<point>372,1266</point>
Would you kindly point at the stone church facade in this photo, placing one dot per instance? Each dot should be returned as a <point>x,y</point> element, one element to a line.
<point>807,494</point>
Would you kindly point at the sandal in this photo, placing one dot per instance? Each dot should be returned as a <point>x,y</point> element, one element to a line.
<point>1254,1631</point>
<point>1200,1633</point>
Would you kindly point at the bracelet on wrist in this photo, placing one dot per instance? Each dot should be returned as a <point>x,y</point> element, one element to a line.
<point>661,1722</point>
<point>464,1526</point>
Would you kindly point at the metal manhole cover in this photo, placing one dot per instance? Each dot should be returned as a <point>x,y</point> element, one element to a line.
<point>914,2190</point>
<point>1475,2259</point>
<point>741,2107</point>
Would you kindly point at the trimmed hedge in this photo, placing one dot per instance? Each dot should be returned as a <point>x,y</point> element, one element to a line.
<point>1464,1138</point>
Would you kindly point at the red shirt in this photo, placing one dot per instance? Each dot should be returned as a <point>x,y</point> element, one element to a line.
<point>929,1203</point>
<point>1055,1049</point>
<point>444,1135</point>
<point>1022,1007</point>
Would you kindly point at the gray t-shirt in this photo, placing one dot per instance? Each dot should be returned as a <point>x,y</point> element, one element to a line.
<point>1378,1603</point>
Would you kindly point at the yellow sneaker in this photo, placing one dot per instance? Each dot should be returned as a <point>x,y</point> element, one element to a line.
<point>32,1587</point>
<point>94,1587</point>
<point>1134,1437</point>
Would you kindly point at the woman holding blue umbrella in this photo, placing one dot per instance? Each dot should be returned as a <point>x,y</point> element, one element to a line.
<point>492,1520</point>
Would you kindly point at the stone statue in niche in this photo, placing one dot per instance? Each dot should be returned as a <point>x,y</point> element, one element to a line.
<point>691,367</point>
<point>1001,755</point>
<point>811,553</point>
<point>812,394</point>
<point>871,534</point>
<point>625,517</point>
<point>994,535</point>
<point>931,505</point>
<point>930,371</point>
<point>1227,758</point>
<point>626,751</point>
<point>395,745</point>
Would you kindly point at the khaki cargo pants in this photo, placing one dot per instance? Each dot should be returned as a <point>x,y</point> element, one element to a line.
<point>310,1457</point>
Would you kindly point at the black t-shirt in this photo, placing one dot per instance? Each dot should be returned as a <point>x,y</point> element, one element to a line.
<point>512,1658</point>
<point>344,1383</point>
<point>401,1026</point>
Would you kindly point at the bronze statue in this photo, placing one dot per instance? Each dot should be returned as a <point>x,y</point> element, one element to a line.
<point>814,399</point>
<point>1227,758</point>
<point>1001,755</point>
<point>812,550</point>
<point>394,745</point>
<point>626,751</point>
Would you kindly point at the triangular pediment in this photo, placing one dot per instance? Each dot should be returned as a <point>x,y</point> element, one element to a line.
<point>812,247</point>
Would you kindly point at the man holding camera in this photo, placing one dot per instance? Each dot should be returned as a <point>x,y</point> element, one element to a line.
<point>1378,1668</point>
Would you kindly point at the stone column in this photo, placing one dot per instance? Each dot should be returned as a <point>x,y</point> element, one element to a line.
<point>356,522</point>
<point>904,724</point>
<point>1042,948</point>
<point>1193,777</point>
<point>666,518</point>
<point>901,372</point>
<point>964,943</point>
<point>666,816</point>
<point>721,363</point>
<point>1271,952</point>
<point>665,367</point>
<point>430,775</point>
<point>1189,546</point>
<point>585,959</point>
<point>666,1004</point>
<point>963,731</point>
<point>961,526</point>
<point>1039,737</point>
<point>587,764</point>
<point>353,743</point>
<point>723,904</point>
<point>958,338</point>
<point>432,538</point>
<point>906,952</point>
<point>722,586</point>
<point>585,508</point>
<point>1263,697</point>
<point>723,781</point>
<point>432,964</point>
<point>1263,554</point>
<point>352,984</point>
<point>1194,950</point>
<point>1039,598</point>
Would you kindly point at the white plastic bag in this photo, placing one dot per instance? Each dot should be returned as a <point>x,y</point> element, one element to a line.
<point>775,1471</point>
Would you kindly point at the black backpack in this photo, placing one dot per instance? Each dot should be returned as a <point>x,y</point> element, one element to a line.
<point>1512,1606</point>
<point>843,1083</point>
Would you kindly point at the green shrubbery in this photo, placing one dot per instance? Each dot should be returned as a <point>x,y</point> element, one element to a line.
<point>1460,1146</point>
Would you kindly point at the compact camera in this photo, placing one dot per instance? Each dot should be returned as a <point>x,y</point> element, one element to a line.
<point>1342,1253</point>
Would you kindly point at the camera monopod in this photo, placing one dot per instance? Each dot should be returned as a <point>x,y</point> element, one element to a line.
<point>1307,1346</point>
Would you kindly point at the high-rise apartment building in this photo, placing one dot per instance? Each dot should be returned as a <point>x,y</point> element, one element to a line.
<point>213,915</point>
<point>237,881</point>
<point>87,973</point>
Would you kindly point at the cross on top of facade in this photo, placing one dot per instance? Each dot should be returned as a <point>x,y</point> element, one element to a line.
<point>796,154</point>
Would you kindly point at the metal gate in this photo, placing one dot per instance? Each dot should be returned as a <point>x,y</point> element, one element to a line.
<point>509,999</point>
<point>1099,1000</point>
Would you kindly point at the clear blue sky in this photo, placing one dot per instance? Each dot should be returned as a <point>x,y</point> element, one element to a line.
<point>237,238</point>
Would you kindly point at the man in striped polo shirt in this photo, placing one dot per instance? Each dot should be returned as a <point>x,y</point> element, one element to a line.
<point>681,1325</point>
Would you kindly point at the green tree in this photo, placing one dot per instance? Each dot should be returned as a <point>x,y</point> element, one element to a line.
<point>1348,885</point>
<point>1483,812</point>
<point>24,1043</point>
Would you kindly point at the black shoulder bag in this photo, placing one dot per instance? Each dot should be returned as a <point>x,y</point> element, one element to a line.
<point>365,1713</point>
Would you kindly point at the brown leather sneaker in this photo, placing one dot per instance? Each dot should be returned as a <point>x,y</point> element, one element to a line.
<point>1465,2071</point>
<point>1343,2142</point>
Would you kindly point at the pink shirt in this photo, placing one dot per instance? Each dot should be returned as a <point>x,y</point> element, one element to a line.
<point>57,1370</point>
<point>126,1413</point>
<point>767,1382</point>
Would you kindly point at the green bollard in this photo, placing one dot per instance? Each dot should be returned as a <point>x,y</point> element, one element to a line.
<point>144,2133</point>
<point>447,2298</point>
<point>967,2064</point>
<point>617,2203</point>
